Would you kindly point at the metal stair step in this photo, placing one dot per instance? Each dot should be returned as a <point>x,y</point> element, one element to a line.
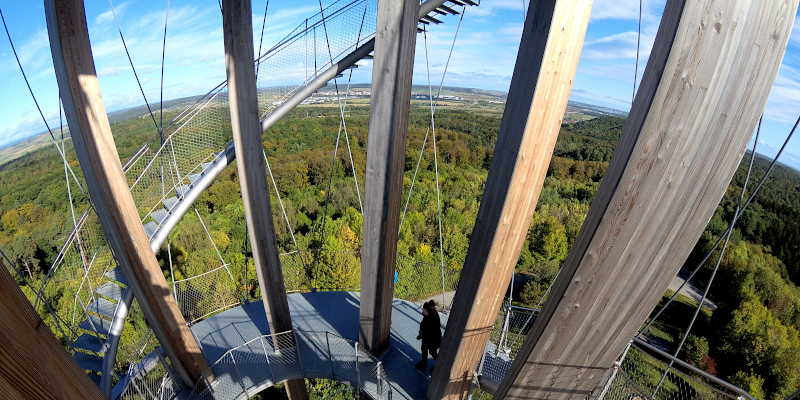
<point>110,290</point>
<point>182,190</point>
<point>95,324</point>
<point>206,166</point>
<point>170,202</point>
<point>150,228</point>
<point>448,9</point>
<point>194,177</point>
<point>88,361</point>
<point>102,307</point>
<point>116,275</point>
<point>90,343</point>
<point>159,215</point>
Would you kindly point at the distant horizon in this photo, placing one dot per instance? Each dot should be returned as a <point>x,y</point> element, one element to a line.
<point>617,45</point>
<point>794,168</point>
<point>142,105</point>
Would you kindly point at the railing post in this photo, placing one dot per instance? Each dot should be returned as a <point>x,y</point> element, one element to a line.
<point>358,367</point>
<point>379,380</point>
<point>266,356</point>
<point>330,355</point>
<point>503,331</point>
<point>475,385</point>
<point>237,24</point>
<point>297,352</point>
<point>483,360</point>
<point>238,373</point>
<point>614,371</point>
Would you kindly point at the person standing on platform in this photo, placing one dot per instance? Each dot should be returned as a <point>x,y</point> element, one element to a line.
<point>430,332</point>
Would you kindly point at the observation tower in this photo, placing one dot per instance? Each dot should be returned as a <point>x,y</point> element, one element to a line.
<point>205,336</point>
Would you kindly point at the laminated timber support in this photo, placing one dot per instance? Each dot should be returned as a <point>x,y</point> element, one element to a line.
<point>237,21</point>
<point>705,86</point>
<point>395,41</point>
<point>33,364</point>
<point>108,187</point>
<point>551,44</point>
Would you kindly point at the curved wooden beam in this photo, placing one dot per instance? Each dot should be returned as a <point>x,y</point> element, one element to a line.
<point>108,186</point>
<point>237,23</point>
<point>551,45</point>
<point>33,365</point>
<point>706,84</point>
<point>395,41</point>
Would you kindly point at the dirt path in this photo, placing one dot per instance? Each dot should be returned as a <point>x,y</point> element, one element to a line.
<point>691,292</point>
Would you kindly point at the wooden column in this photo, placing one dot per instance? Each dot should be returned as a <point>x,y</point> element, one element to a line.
<point>33,365</point>
<point>706,84</point>
<point>551,44</point>
<point>237,24</point>
<point>108,187</point>
<point>395,41</point>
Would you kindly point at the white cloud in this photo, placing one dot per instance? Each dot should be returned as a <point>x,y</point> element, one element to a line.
<point>615,9</point>
<point>513,31</point>
<point>36,51</point>
<point>108,16</point>
<point>27,125</point>
<point>784,99</point>
<point>628,38</point>
<point>795,38</point>
<point>297,13</point>
<point>492,7</point>
<point>626,9</point>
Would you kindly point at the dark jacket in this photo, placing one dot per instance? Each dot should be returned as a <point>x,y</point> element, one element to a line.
<point>430,330</point>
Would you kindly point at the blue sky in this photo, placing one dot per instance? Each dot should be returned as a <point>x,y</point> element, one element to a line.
<point>483,58</point>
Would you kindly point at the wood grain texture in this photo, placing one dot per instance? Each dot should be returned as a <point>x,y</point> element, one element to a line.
<point>243,101</point>
<point>33,364</point>
<point>551,44</point>
<point>395,41</point>
<point>705,86</point>
<point>108,187</point>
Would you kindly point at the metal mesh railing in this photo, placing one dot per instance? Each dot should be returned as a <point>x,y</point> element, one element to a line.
<point>68,291</point>
<point>151,379</point>
<point>416,280</point>
<point>202,131</point>
<point>265,360</point>
<point>419,279</point>
<point>636,378</point>
<point>309,49</point>
<point>508,334</point>
<point>208,293</point>
<point>302,268</point>
<point>624,388</point>
<point>643,367</point>
<point>194,137</point>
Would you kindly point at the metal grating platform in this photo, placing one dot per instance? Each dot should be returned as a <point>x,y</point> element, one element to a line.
<point>312,315</point>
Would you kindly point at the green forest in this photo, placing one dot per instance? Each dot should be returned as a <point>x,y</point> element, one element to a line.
<point>751,339</point>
